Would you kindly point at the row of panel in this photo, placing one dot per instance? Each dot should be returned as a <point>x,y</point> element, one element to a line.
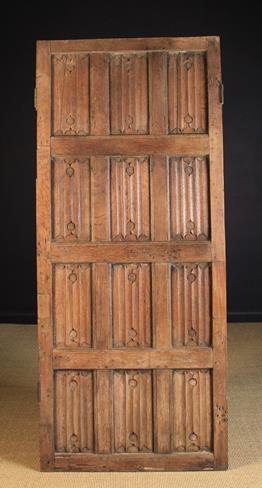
<point>139,93</point>
<point>130,198</point>
<point>131,411</point>
<point>132,305</point>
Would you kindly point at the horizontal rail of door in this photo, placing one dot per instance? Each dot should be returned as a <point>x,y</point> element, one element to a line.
<point>135,462</point>
<point>131,44</point>
<point>190,145</point>
<point>179,358</point>
<point>131,252</point>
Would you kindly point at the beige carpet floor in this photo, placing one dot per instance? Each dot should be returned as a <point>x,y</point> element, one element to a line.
<point>19,467</point>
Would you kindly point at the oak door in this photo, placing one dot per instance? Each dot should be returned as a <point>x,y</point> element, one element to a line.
<point>131,259</point>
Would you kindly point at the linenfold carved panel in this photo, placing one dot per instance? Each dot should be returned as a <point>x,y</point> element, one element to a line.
<point>127,295</point>
<point>182,410</point>
<point>70,94</point>
<point>189,198</point>
<point>131,305</point>
<point>133,417</point>
<point>129,94</point>
<point>130,199</point>
<point>98,93</point>
<point>187,93</point>
<point>108,198</point>
<point>74,411</point>
<point>147,411</point>
<point>72,305</point>
<point>192,410</point>
<point>191,304</point>
<point>71,199</point>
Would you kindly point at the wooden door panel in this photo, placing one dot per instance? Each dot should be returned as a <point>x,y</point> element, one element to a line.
<point>140,198</point>
<point>131,305</point>
<point>130,199</point>
<point>71,199</point>
<point>74,411</point>
<point>190,298</point>
<point>187,93</point>
<point>182,305</point>
<point>133,411</point>
<point>189,198</point>
<point>128,93</point>
<point>131,255</point>
<point>70,74</point>
<point>160,411</point>
<point>192,410</point>
<point>72,297</point>
<point>133,93</point>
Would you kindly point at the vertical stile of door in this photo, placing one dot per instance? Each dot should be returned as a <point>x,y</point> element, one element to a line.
<point>44,267</point>
<point>219,332</point>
